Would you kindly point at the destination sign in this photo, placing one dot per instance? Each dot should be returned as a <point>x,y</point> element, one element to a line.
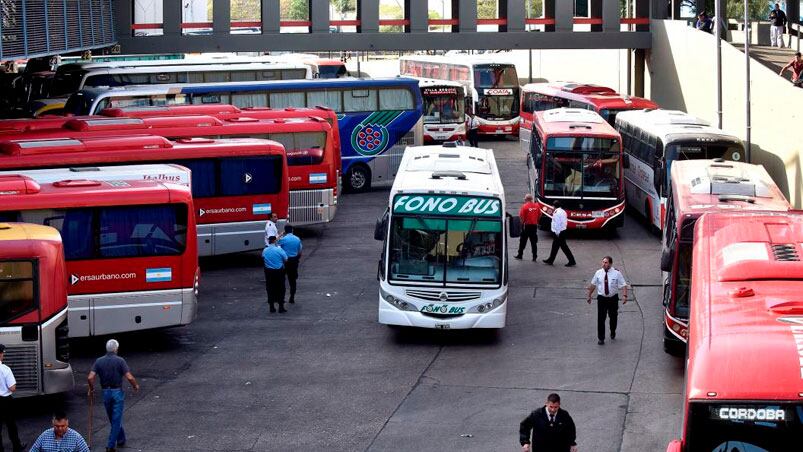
<point>464,206</point>
<point>749,413</point>
<point>498,92</point>
<point>439,91</point>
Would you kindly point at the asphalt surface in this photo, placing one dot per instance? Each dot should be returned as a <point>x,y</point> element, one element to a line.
<point>327,376</point>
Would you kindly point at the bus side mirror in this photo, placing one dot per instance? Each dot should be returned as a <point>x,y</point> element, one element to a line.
<point>675,446</point>
<point>626,161</point>
<point>379,229</point>
<point>667,257</point>
<point>514,226</point>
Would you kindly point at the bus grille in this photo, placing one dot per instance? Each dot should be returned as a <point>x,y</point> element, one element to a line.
<point>24,362</point>
<point>785,252</point>
<point>309,206</point>
<point>435,295</point>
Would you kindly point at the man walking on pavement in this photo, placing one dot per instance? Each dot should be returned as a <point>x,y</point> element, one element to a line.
<point>607,281</point>
<point>473,126</point>
<point>559,221</point>
<point>274,259</point>
<point>271,229</point>
<point>60,438</point>
<point>111,369</point>
<point>8,385</point>
<point>529,214</point>
<point>551,428</point>
<point>291,245</point>
<point>778,20</point>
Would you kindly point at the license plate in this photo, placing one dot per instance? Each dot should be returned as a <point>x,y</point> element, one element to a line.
<point>442,326</point>
<point>598,214</point>
<point>508,129</point>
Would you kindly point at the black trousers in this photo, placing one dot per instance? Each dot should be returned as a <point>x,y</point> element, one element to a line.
<point>559,241</point>
<point>274,285</point>
<point>291,268</point>
<point>7,417</point>
<point>607,307</point>
<point>474,137</point>
<point>530,232</point>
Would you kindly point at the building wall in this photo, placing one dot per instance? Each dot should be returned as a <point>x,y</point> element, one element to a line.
<point>682,75</point>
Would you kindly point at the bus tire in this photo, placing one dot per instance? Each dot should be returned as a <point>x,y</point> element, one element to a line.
<point>358,179</point>
<point>674,347</point>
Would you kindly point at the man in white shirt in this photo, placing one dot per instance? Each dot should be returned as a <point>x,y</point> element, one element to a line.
<point>8,385</point>
<point>473,126</point>
<point>270,228</point>
<point>607,282</point>
<point>559,221</point>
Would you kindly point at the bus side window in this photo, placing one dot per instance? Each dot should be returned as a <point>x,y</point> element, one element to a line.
<point>395,99</point>
<point>331,99</point>
<point>537,150</point>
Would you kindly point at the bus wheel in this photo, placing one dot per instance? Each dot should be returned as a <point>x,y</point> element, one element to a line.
<point>674,348</point>
<point>359,179</point>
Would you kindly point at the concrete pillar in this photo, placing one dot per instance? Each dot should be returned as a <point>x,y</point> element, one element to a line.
<point>515,13</point>
<point>319,16</point>
<point>271,15</point>
<point>549,11</point>
<point>172,18</point>
<point>659,9</point>
<point>415,11</point>
<point>564,13</point>
<point>368,15</point>
<point>455,15</point>
<point>595,10</point>
<point>221,17</point>
<point>467,12</point>
<point>642,10</point>
<point>123,18</point>
<point>638,72</point>
<point>610,15</point>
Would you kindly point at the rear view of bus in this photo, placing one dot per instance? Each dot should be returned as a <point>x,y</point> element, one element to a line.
<point>576,158</point>
<point>744,376</point>
<point>699,187</point>
<point>444,256</point>
<point>654,139</point>
<point>130,248</point>
<point>33,308</point>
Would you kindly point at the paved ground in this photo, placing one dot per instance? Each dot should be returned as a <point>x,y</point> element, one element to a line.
<point>326,376</point>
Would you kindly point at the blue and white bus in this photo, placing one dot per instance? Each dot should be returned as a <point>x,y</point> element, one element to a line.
<point>378,118</point>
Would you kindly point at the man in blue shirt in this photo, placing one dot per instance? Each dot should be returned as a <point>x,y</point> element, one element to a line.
<point>274,259</point>
<point>60,438</point>
<point>111,369</point>
<point>291,245</point>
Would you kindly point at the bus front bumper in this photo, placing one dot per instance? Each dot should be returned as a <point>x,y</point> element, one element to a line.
<point>390,315</point>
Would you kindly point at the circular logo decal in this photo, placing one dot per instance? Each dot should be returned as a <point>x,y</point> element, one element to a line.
<point>736,157</point>
<point>370,139</point>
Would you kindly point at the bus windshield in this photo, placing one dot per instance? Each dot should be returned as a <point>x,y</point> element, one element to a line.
<point>332,71</point>
<point>16,289</point>
<point>696,150</point>
<point>498,107</point>
<point>66,82</point>
<point>582,167</point>
<point>736,426</point>
<point>443,109</point>
<point>495,76</point>
<point>448,251</point>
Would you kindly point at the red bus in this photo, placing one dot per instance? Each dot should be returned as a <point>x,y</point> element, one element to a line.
<point>744,373</point>
<point>698,187</point>
<point>313,162</point>
<point>130,248</point>
<point>33,308</point>
<point>236,183</point>
<point>546,96</point>
<point>576,157</point>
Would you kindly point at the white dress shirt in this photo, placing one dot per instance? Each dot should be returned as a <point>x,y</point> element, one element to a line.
<point>6,380</point>
<point>270,230</point>
<point>615,281</point>
<point>558,221</point>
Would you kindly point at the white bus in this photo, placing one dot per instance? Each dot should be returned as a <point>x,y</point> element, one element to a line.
<point>444,256</point>
<point>654,139</point>
<point>444,110</point>
<point>492,86</point>
<point>71,78</point>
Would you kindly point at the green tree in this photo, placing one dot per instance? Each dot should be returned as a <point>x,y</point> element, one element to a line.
<point>294,9</point>
<point>392,11</point>
<point>486,9</point>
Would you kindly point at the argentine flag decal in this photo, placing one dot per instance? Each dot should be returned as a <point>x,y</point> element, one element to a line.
<point>317,178</point>
<point>261,209</point>
<point>158,274</point>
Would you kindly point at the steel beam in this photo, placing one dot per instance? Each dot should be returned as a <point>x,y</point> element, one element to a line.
<point>416,12</point>
<point>610,15</point>
<point>221,18</point>
<point>390,41</point>
<point>123,18</point>
<point>171,22</point>
<point>319,16</point>
<point>564,15</point>
<point>514,13</point>
<point>468,17</point>
<point>368,15</point>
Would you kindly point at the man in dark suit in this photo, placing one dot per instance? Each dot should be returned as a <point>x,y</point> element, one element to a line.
<point>551,428</point>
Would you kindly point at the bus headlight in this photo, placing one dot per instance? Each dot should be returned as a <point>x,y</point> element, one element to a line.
<point>397,303</point>
<point>488,306</point>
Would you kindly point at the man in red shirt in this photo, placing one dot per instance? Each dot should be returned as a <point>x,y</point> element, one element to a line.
<point>530,214</point>
<point>797,67</point>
